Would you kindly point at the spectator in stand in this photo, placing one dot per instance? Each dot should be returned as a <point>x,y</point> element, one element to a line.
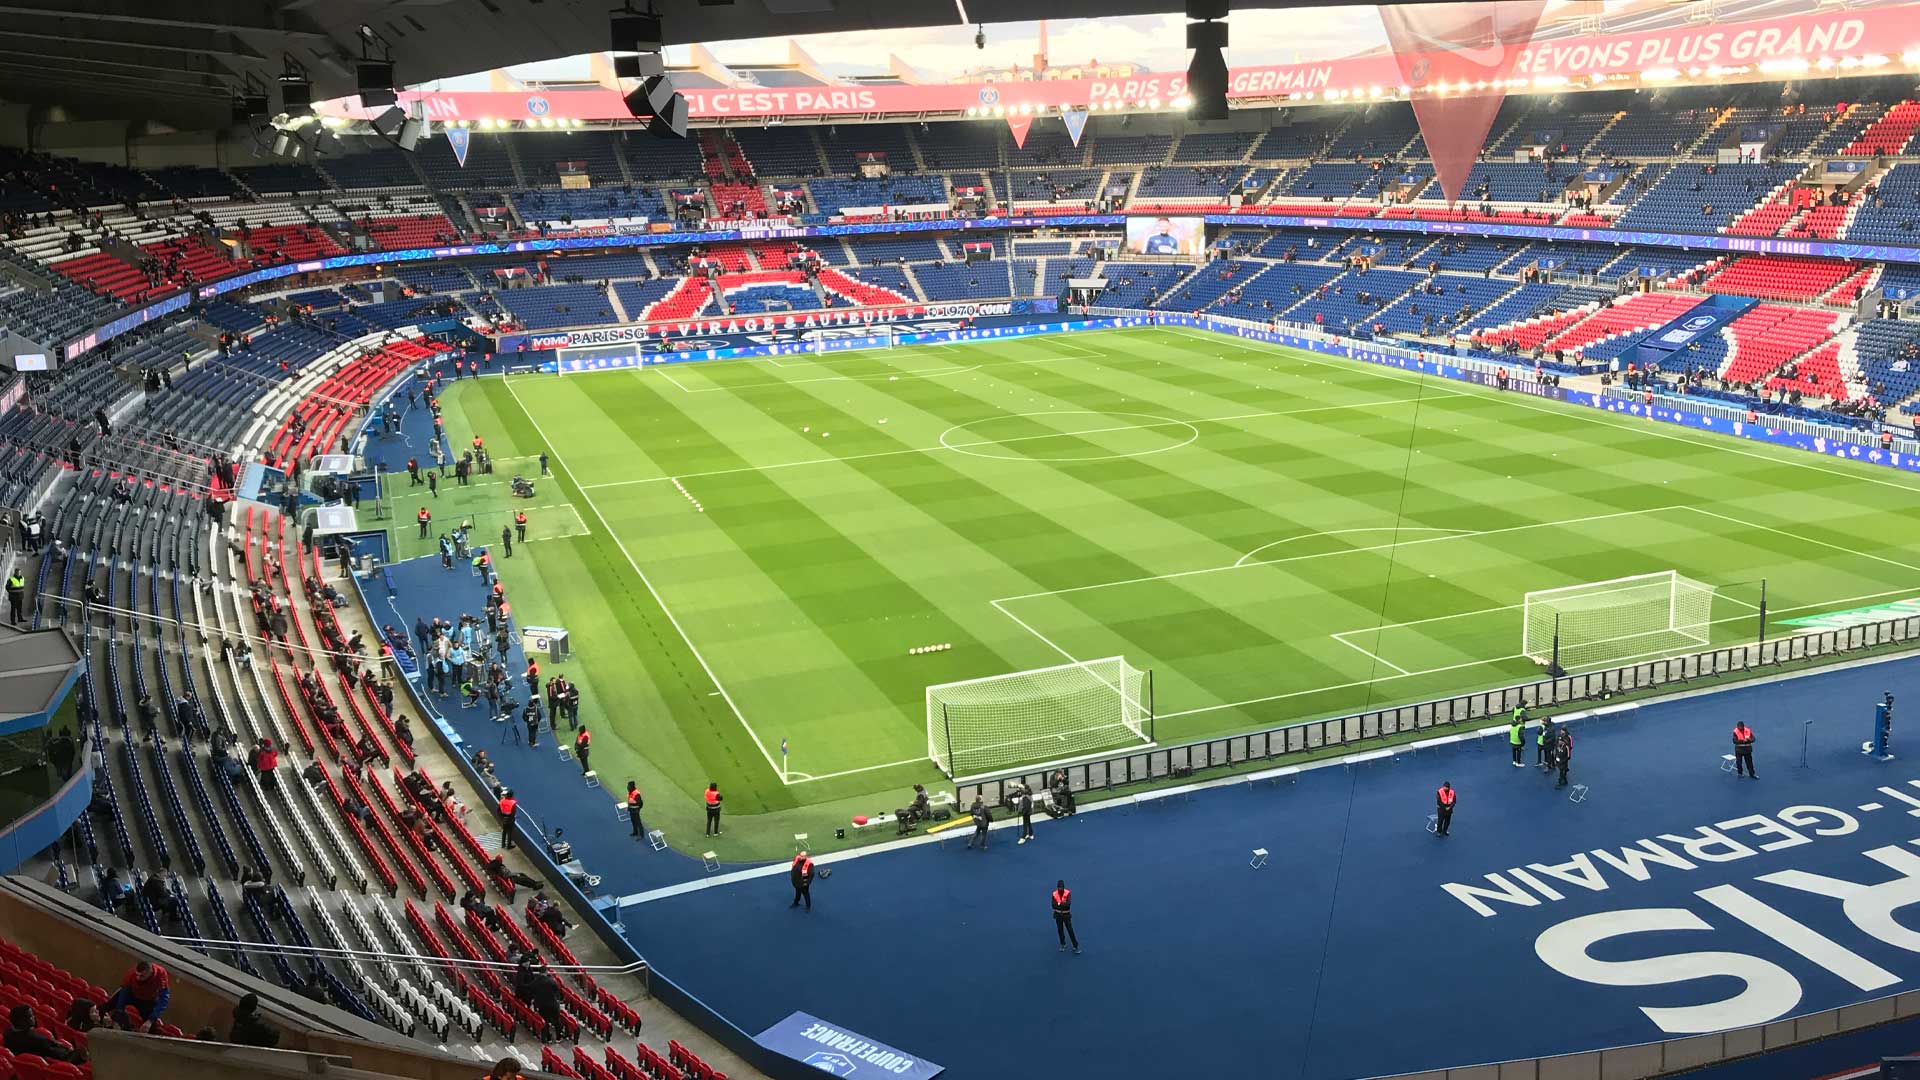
<point>248,1029</point>
<point>506,1069</point>
<point>22,1037</point>
<point>84,1014</point>
<point>143,994</point>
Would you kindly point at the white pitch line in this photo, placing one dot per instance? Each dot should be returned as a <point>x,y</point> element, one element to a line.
<point>1806,539</point>
<point>1486,661</point>
<point>1028,627</point>
<point>1376,657</point>
<point>1343,532</point>
<point>553,448</point>
<point>1651,428</point>
<point>911,373</point>
<point>953,447</point>
<point>1328,554</point>
<point>668,375</point>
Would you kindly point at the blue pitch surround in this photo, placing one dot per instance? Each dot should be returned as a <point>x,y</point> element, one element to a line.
<point>1350,933</point>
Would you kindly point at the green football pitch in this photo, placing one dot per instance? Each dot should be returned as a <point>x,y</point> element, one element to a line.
<point>747,552</point>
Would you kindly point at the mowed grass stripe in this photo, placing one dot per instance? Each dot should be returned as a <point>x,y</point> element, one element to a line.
<point>666,724</point>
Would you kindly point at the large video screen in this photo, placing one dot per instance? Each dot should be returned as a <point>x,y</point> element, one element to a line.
<point>1166,236</point>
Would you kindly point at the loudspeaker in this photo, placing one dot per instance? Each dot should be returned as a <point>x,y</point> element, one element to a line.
<point>632,32</point>
<point>411,133</point>
<point>656,103</point>
<point>390,122</point>
<point>375,83</point>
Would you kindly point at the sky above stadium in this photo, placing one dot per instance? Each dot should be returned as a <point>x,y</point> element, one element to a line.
<point>945,53</point>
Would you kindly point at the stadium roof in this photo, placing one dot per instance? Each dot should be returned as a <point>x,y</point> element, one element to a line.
<point>178,61</point>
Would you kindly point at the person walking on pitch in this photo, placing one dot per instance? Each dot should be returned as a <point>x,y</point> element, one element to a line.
<point>1443,801</point>
<point>1743,750</point>
<point>801,874</point>
<point>1063,916</point>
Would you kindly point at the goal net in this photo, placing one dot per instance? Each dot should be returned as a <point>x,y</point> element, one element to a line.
<point>1603,621</point>
<point>981,725</point>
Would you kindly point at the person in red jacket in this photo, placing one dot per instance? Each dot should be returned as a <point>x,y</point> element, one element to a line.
<point>144,993</point>
<point>582,746</point>
<point>801,874</point>
<point>265,760</point>
<point>1443,801</point>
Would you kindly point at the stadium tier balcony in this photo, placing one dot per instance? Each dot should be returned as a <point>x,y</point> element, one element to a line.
<point>1889,354</point>
<point>1335,181</point>
<point>845,144</point>
<point>1380,131</point>
<point>608,267</point>
<point>954,282</point>
<point>866,290</point>
<point>1889,211</point>
<point>549,306</point>
<point>688,297</point>
<point>1275,289</point>
<point>961,146</point>
<point>277,243</point>
<point>1523,303</point>
<point>781,151</point>
<point>1705,198</point>
<point>280,179</point>
<point>834,196</point>
<point>542,153</point>
<point>870,250</point>
<point>1048,185</point>
<point>1211,182</point>
<point>1891,134</point>
<point>1302,139</point>
<point>1763,339</point>
<point>1658,264</point>
<point>413,231</point>
<point>1633,314</point>
<point>1131,149</point>
<point>1353,300</point>
<point>588,204</point>
<point>1654,133</point>
<point>1779,277</point>
<point>1218,146</point>
<point>374,168</point>
<point>1509,182</point>
<point>1441,303</point>
<point>1140,284</point>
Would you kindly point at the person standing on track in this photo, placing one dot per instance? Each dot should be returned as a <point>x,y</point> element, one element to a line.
<point>1063,916</point>
<point>520,524</point>
<point>1743,750</point>
<point>1516,735</point>
<point>1543,742</point>
<point>981,820</point>
<point>582,746</point>
<point>1563,754</point>
<point>508,804</point>
<point>713,809</point>
<point>1024,803</point>
<point>801,874</point>
<point>1443,801</point>
<point>634,804</point>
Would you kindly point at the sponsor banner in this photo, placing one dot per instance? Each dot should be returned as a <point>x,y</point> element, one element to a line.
<point>1840,620</point>
<point>835,1051</point>
<point>1702,320</point>
<point>1019,126</point>
<point>1849,167</point>
<point>1809,36</point>
<point>622,226</point>
<point>796,325</point>
<point>749,223</point>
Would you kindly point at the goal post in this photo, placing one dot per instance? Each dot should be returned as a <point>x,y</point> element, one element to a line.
<point>1602,621</point>
<point>1045,714</point>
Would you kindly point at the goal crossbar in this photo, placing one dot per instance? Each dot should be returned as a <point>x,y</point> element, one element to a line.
<point>1040,714</point>
<point>1591,622</point>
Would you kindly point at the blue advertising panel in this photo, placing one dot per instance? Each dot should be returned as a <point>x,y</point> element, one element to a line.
<point>1698,321</point>
<point>835,1051</point>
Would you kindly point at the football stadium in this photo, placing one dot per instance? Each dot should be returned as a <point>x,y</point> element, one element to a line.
<point>1336,504</point>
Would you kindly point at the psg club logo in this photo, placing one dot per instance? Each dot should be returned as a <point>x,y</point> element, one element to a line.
<point>538,106</point>
<point>1421,68</point>
<point>989,95</point>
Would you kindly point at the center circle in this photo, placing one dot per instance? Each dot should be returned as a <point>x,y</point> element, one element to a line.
<point>1126,434</point>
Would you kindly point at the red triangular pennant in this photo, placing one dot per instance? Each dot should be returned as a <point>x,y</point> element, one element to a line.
<point>1019,125</point>
<point>1455,58</point>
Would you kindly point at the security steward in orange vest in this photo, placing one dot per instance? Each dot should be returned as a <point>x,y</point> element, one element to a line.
<point>1443,808</point>
<point>1063,916</point>
<point>425,518</point>
<point>520,525</point>
<point>801,874</point>
<point>508,804</point>
<point>713,809</point>
<point>1743,750</point>
<point>634,803</point>
<point>582,746</point>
